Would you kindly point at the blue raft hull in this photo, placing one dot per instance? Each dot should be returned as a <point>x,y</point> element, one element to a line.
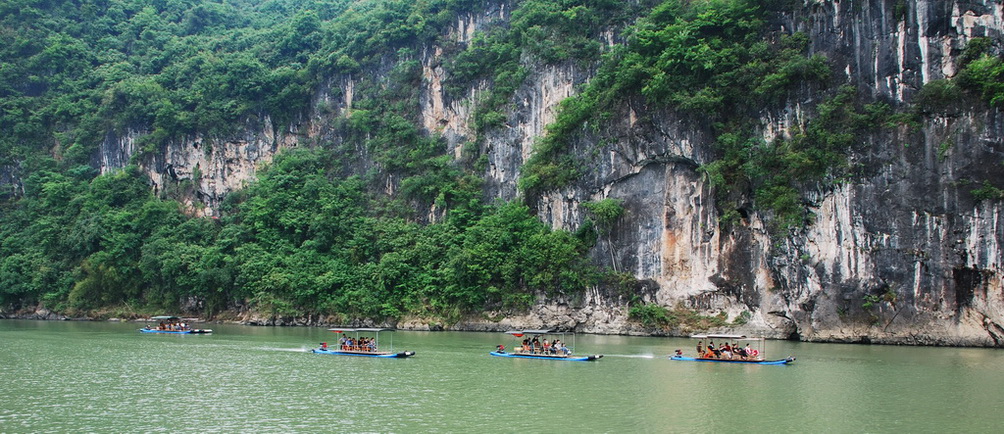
<point>400,355</point>
<point>177,332</point>
<point>537,356</point>
<point>745,362</point>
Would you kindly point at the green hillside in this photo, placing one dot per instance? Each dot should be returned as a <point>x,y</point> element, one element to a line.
<point>305,239</point>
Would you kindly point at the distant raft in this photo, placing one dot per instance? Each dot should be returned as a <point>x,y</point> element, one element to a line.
<point>170,324</point>
<point>178,332</point>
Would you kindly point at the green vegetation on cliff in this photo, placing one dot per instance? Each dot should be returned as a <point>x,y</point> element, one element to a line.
<point>300,240</point>
<point>319,232</point>
<point>713,60</point>
<point>312,235</point>
<point>719,65</point>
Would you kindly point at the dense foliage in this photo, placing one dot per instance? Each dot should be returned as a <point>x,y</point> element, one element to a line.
<point>313,235</point>
<point>297,241</point>
<point>73,71</point>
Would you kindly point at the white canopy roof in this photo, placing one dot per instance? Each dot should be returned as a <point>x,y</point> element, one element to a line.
<point>528,332</point>
<point>359,329</point>
<point>711,336</point>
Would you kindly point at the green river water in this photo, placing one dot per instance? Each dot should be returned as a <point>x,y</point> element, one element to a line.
<point>108,377</point>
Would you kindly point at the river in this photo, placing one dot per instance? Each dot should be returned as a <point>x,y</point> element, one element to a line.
<point>108,377</point>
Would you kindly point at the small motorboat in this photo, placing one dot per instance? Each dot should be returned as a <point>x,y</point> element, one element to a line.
<point>170,324</point>
<point>360,346</point>
<point>535,348</point>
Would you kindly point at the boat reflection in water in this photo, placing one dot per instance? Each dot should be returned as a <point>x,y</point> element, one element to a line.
<point>730,350</point>
<point>537,348</point>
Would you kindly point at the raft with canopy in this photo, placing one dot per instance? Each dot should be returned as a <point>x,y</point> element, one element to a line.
<point>539,351</point>
<point>757,358</point>
<point>354,347</point>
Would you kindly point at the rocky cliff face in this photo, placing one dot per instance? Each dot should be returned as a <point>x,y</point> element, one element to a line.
<point>906,232</point>
<point>200,171</point>
<point>909,226</point>
<point>10,181</point>
<point>901,252</point>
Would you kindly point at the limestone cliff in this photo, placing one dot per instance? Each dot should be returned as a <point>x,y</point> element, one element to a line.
<point>900,252</point>
<point>906,226</point>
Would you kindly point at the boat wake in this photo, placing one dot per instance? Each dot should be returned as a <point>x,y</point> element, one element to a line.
<point>631,356</point>
<point>289,350</point>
